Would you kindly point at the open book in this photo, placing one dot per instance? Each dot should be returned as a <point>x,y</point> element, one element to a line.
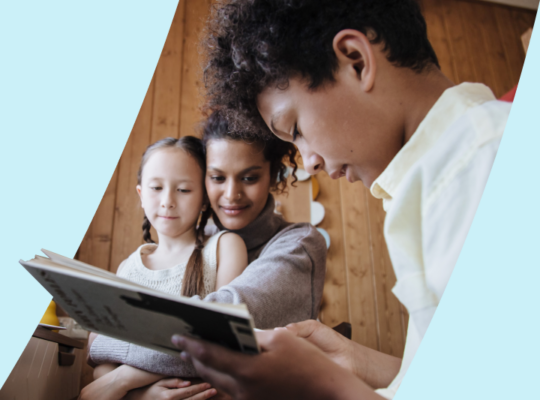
<point>102,302</point>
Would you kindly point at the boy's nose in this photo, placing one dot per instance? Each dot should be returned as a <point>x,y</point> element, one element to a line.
<point>313,163</point>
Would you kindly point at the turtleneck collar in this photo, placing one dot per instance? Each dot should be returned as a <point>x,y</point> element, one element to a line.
<point>260,231</point>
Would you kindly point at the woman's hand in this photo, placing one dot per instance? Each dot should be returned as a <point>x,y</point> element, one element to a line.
<point>288,368</point>
<point>373,367</point>
<point>173,389</point>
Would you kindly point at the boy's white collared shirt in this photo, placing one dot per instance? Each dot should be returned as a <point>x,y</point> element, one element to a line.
<point>430,192</point>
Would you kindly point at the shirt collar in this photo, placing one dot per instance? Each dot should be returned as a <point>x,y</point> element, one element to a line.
<point>453,103</point>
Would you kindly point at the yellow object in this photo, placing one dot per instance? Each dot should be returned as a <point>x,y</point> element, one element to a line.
<point>314,187</point>
<point>50,317</point>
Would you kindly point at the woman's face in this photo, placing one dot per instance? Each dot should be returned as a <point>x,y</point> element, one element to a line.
<point>237,181</point>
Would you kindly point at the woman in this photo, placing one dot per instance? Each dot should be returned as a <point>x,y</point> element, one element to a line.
<point>284,280</point>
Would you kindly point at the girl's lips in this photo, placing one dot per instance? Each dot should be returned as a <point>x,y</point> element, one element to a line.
<point>162,216</point>
<point>233,210</point>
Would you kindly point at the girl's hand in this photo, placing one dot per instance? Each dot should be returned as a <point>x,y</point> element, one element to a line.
<point>173,389</point>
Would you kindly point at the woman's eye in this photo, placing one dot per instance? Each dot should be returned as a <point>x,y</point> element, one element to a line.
<point>217,179</point>
<point>250,179</point>
<point>184,190</point>
<point>156,188</point>
<point>295,133</point>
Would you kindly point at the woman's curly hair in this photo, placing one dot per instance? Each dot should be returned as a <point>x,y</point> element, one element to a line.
<point>277,152</point>
<point>252,44</point>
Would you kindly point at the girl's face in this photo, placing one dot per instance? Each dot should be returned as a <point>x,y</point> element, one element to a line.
<point>171,191</point>
<point>237,181</point>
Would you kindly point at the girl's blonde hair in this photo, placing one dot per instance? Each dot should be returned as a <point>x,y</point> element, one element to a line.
<point>193,277</point>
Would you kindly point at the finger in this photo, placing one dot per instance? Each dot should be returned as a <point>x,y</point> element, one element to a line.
<point>304,329</point>
<point>211,355</point>
<point>190,392</point>
<point>217,379</point>
<point>204,395</point>
<point>173,383</point>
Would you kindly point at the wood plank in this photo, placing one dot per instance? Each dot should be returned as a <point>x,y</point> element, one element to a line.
<point>389,309</point>
<point>514,54</point>
<point>167,81</point>
<point>295,203</point>
<point>335,307</point>
<point>475,47</point>
<point>95,248</point>
<point>128,217</point>
<point>434,15</point>
<point>486,47</point>
<point>455,31</point>
<point>192,84</point>
<point>360,277</point>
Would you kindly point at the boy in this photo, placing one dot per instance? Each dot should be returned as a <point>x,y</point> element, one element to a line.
<point>356,86</point>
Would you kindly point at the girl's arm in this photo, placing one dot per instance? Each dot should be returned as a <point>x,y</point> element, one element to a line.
<point>231,257</point>
<point>115,384</point>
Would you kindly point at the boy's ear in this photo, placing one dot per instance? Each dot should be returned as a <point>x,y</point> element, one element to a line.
<point>355,54</point>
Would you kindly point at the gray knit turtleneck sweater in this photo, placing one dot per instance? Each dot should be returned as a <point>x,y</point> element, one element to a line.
<point>282,284</point>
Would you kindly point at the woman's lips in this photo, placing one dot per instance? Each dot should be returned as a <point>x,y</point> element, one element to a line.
<point>233,210</point>
<point>165,217</point>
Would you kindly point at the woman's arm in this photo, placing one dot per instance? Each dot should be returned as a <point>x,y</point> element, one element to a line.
<point>231,257</point>
<point>285,283</point>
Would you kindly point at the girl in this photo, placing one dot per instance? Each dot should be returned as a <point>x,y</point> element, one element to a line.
<point>284,280</point>
<point>171,189</point>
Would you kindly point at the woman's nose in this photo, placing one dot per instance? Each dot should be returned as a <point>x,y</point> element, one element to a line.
<point>232,192</point>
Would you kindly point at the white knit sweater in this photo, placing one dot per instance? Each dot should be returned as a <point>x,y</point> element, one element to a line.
<point>170,280</point>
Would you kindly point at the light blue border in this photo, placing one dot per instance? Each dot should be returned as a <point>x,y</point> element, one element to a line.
<point>73,77</point>
<point>483,342</point>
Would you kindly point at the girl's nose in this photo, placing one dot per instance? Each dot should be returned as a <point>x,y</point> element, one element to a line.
<point>168,200</point>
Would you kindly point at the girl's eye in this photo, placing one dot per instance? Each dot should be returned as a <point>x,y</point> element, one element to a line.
<point>295,133</point>
<point>184,190</point>
<point>156,188</point>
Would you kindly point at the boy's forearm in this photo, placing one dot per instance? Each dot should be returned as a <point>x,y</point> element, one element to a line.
<point>376,369</point>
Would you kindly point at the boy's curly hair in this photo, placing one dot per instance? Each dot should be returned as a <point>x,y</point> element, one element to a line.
<point>251,44</point>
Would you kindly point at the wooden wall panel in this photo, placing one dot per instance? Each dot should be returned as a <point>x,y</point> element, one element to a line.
<point>192,85</point>
<point>128,216</point>
<point>95,249</point>
<point>363,314</point>
<point>167,81</point>
<point>456,33</point>
<point>295,202</point>
<point>391,328</point>
<point>434,14</point>
<point>335,305</point>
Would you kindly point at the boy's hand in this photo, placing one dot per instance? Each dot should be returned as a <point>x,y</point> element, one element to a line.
<point>288,368</point>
